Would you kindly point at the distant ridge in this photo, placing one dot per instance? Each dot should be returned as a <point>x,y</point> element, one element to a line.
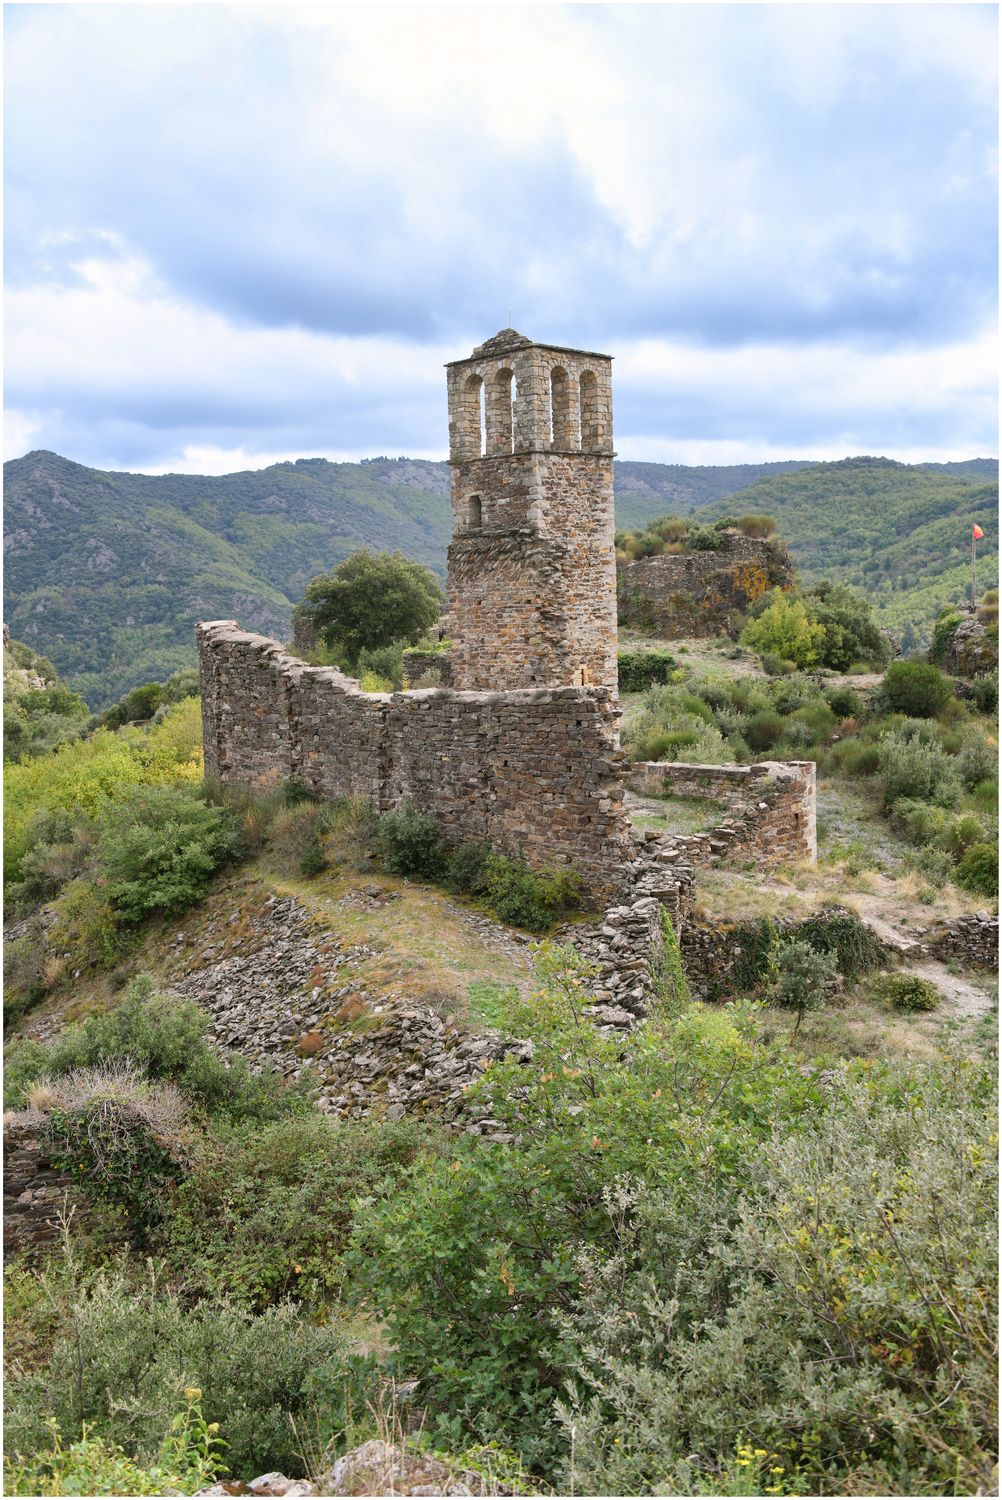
<point>107,571</point>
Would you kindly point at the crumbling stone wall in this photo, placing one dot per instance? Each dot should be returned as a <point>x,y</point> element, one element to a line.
<point>35,1193</point>
<point>771,809</point>
<point>425,664</point>
<point>701,593</point>
<point>971,940</point>
<point>535,772</point>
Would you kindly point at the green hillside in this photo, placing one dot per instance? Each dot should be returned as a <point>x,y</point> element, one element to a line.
<point>901,533</point>
<point>107,572</point>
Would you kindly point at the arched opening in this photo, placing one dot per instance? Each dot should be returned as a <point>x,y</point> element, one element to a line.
<point>474,425</point>
<point>474,513</point>
<point>563,417</point>
<point>499,413</point>
<point>589,412</point>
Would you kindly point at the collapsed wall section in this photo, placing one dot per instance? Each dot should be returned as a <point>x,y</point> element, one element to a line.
<point>770,809</point>
<point>531,772</point>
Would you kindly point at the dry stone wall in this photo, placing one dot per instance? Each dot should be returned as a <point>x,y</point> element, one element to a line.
<point>701,593</point>
<point>535,772</point>
<point>971,940</point>
<point>771,810</point>
<point>35,1193</point>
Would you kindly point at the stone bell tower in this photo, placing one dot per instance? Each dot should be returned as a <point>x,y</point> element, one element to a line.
<point>532,566</point>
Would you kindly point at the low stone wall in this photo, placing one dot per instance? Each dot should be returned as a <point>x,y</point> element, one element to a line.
<point>701,593</point>
<point>969,940</point>
<point>771,807</point>
<point>435,664</point>
<point>35,1194</point>
<point>712,945</point>
<point>535,772</point>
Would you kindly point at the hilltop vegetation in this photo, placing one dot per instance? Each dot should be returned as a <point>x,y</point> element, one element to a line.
<point>899,533</point>
<point>107,572</point>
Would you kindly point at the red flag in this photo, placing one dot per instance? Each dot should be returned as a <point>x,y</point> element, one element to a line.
<point>976,532</point>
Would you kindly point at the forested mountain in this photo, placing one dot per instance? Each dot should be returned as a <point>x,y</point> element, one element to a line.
<point>107,572</point>
<point>899,532</point>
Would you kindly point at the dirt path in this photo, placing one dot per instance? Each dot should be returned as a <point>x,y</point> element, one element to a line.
<point>963,996</point>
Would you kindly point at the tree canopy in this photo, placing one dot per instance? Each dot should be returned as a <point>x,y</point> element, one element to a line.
<point>373,599</point>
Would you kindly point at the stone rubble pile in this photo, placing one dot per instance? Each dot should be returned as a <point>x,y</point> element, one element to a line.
<point>373,1468</point>
<point>292,1000</point>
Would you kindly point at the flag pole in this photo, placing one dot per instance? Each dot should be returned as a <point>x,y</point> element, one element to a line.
<point>974,570</point>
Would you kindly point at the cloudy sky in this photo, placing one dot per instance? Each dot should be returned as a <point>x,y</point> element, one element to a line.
<point>236,233</point>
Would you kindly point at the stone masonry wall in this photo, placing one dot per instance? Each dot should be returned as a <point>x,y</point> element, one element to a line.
<point>34,1192</point>
<point>531,772</point>
<point>701,593</point>
<point>771,809</point>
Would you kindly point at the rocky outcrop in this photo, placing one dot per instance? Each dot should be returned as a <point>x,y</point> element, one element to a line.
<point>695,593</point>
<point>971,648</point>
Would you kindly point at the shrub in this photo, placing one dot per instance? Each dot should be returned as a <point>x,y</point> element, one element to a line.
<point>159,849</point>
<point>851,634</point>
<point>914,687</point>
<point>842,934</point>
<point>906,992</point>
<point>935,865</point>
<point>165,1038</point>
<point>804,977</point>
<point>912,770</point>
<point>384,662</point>
<point>642,669</point>
<point>469,870</point>
<point>676,725</point>
<point>125,1140</point>
<point>409,843</point>
<point>758,526</point>
<point>188,1458</point>
<point>533,899</point>
<point>978,870</point>
<point>476,1256</point>
<point>977,761</point>
<point>295,839</point>
<point>712,1324</point>
<point>765,730</point>
<point>985,689</point>
<point>83,930</point>
<point>121,1353</point>
<point>785,629</point>
<point>265,1214</point>
<point>844,702</point>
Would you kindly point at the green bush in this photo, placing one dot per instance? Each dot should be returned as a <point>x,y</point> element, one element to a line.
<point>844,702</point>
<point>978,870</point>
<point>160,847</point>
<point>841,933</point>
<point>804,977</point>
<point>906,992</point>
<point>386,662</point>
<point>409,843</point>
<point>533,899</point>
<point>765,730</point>
<point>189,1459</point>
<point>854,1274</point>
<point>125,1140</point>
<point>978,760</point>
<point>469,870</point>
<point>642,669</point>
<point>784,629</point>
<point>296,839</point>
<point>851,633</point>
<point>121,1353</point>
<point>165,1038</point>
<point>914,687</point>
<point>475,1257</point>
<point>264,1214</point>
<point>913,771</point>
<point>986,692</point>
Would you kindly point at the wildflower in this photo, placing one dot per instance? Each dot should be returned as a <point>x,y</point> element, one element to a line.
<point>193,1393</point>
